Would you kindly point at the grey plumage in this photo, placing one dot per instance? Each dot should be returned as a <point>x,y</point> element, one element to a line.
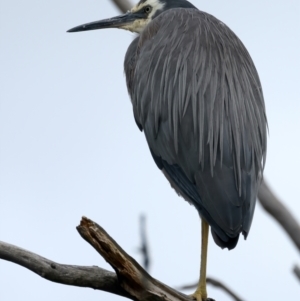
<point>197,96</point>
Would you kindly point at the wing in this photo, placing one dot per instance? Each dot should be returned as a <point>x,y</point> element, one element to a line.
<point>196,93</point>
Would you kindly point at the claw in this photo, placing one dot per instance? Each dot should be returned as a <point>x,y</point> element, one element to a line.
<point>198,296</point>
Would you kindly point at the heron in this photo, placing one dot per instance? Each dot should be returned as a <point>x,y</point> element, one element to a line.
<point>197,97</point>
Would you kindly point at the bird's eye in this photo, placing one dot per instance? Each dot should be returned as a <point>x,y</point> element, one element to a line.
<point>147,9</point>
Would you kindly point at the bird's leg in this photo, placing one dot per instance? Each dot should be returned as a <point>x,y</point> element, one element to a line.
<point>201,293</point>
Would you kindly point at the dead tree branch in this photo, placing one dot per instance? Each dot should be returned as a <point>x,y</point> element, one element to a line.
<point>93,277</point>
<point>130,279</point>
<point>281,214</point>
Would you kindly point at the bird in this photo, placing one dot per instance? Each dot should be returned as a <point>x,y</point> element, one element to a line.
<point>197,96</point>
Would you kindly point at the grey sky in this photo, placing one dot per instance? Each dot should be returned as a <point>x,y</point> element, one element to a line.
<point>69,147</point>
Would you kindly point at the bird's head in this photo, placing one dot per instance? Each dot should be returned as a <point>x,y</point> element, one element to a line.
<point>137,18</point>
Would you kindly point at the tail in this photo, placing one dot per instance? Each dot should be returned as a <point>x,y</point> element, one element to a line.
<point>230,243</point>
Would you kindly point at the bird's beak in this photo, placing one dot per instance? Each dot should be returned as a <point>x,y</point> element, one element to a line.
<point>121,21</point>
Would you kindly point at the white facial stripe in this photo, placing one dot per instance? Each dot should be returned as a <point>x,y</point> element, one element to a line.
<point>156,5</point>
<point>139,25</point>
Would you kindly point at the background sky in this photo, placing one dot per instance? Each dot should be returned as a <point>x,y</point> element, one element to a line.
<point>69,147</point>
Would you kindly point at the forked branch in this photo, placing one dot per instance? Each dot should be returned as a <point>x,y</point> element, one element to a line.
<point>130,279</point>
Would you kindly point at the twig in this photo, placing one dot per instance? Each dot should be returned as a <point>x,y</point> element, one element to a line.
<point>296,271</point>
<point>222,286</point>
<point>123,5</point>
<point>144,249</point>
<point>217,284</point>
<point>278,211</point>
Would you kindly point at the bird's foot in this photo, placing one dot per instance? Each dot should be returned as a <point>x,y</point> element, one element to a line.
<point>194,297</point>
<point>198,297</point>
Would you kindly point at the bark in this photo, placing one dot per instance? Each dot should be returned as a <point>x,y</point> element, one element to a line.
<point>132,277</point>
